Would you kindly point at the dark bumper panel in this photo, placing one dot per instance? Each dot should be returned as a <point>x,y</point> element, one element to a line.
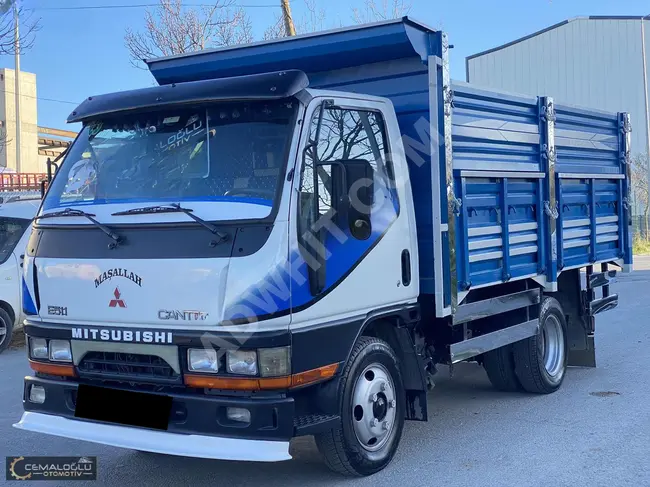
<point>271,418</point>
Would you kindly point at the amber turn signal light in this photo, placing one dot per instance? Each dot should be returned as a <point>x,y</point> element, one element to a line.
<point>314,375</point>
<point>52,369</point>
<point>262,383</point>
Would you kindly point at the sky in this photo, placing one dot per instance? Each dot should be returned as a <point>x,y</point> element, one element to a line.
<point>80,52</point>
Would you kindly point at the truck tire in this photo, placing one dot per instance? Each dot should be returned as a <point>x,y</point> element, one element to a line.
<point>541,361</point>
<point>500,367</point>
<point>373,407</point>
<point>6,329</point>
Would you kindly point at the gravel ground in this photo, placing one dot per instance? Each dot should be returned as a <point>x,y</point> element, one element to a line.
<point>595,431</point>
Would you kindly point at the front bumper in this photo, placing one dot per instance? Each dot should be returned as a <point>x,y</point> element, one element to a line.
<point>197,426</point>
<point>200,446</point>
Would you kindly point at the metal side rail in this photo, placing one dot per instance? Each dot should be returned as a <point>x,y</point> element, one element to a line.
<point>498,305</point>
<point>490,341</point>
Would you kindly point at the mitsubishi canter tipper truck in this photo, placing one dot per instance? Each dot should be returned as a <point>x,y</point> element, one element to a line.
<point>286,238</point>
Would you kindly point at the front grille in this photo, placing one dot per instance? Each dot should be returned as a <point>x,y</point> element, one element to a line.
<point>128,367</point>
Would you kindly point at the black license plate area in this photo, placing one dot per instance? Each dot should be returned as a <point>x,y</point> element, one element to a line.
<point>123,407</point>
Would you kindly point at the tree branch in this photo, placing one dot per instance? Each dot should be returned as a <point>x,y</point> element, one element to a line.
<point>28,28</point>
<point>372,11</point>
<point>173,28</point>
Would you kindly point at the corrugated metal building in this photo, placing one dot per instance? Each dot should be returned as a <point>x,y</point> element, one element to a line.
<point>596,62</point>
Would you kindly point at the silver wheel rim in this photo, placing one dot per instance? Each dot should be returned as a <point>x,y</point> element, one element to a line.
<point>374,407</point>
<point>3,332</point>
<point>551,347</point>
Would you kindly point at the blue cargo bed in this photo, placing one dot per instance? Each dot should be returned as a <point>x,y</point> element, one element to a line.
<point>505,186</point>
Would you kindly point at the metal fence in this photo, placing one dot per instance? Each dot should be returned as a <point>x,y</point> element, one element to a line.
<point>641,227</point>
<point>22,181</point>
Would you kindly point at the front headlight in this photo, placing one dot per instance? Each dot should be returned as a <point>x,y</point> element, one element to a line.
<point>274,362</point>
<point>60,351</point>
<point>202,360</point>
<point>38,348</point>
<point>242,362</point>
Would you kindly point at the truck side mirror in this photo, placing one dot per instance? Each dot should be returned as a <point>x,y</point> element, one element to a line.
<point>353,190</point>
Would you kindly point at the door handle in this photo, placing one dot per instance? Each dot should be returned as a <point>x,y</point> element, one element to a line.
<point>406,267</point>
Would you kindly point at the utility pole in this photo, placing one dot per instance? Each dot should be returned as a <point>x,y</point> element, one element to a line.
<point>289,28</point>
<point>17,85</point>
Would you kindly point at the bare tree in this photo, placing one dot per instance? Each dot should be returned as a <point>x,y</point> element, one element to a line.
<point>376,10</point>
<point>640,187</point>
<point>312,20</point>
<point>172,28</point>
<point>27,28</point>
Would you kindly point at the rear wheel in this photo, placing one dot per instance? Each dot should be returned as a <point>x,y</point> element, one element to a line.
<point>500,367</point>
<point>6,329</point>
<point>541,361</point>
<point>372,411</point>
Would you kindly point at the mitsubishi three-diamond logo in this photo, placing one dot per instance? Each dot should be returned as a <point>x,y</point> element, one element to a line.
<point>118,302</point>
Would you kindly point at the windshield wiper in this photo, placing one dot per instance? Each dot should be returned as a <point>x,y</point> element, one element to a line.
<point>73,212</point>
<point>176,208</point>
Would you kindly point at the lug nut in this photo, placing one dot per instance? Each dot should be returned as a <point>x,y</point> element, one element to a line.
<point>382,386</point>
<point>374,398</point>
<point>373,422</point>
<point>385,425</point>
<point>391,403</point>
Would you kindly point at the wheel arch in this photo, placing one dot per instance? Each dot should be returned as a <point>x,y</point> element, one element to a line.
<point>10,311</point>
<point>395,327</point>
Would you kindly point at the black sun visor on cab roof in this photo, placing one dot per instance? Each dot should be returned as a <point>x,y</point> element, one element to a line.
<point>264,86</point>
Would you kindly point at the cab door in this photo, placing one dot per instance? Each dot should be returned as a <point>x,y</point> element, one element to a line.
<point>353,245</point>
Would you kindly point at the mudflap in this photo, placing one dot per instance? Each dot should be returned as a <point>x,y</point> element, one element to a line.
<point>414,376</point>
<point>584,357</point>
<point>581,307</point>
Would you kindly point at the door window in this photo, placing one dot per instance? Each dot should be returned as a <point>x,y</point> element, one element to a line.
<point>346,136</point>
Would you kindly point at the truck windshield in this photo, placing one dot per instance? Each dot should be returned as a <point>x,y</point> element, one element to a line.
<point>223,152</point>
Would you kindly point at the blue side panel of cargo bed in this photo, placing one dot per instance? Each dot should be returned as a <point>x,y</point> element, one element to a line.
<point>590,167</point>
<point>494,131</point>
<point>499,179</point>
<point>501,176</point>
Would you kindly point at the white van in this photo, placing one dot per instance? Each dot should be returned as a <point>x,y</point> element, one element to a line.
<point>15,223</point>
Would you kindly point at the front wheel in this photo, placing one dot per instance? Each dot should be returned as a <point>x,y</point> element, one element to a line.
<point>372,409</point>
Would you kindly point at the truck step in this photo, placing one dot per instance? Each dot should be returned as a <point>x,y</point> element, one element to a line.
<point>309,424</point>
<point>599,279</point>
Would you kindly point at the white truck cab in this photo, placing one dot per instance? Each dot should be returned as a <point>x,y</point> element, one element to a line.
<point>15,221</point>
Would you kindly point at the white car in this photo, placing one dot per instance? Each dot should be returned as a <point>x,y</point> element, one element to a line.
<point>15,225</point>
